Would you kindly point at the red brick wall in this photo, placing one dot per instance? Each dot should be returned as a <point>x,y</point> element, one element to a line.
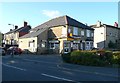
<point>22,33</point>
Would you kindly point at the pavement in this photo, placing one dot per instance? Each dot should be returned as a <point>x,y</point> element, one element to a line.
<point>51,68</point>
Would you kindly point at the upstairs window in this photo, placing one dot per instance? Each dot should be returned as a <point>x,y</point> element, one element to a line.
<point>82,33</point>
<point>75,31</point>
<point>88,33</point>
<point>110,34</point>
<point>92,34</point>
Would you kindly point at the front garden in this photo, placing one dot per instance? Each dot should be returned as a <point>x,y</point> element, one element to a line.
<point>102,58</point>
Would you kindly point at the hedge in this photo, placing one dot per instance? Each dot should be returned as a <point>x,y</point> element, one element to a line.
<point>92,58</point>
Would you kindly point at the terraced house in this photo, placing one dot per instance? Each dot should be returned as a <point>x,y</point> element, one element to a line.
<point>106,36</point>
<point>11,38</point>
<point>58,35</point>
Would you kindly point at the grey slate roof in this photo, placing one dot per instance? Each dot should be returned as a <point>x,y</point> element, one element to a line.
<point>95,26</point>
<point>59,21</point>
<point>63,20</point>
<point>18,30</point>
<point>34,34</point>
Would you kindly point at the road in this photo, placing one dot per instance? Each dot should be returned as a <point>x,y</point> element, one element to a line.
<point>51,68</point>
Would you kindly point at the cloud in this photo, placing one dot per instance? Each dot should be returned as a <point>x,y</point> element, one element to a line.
<point>51,13</point>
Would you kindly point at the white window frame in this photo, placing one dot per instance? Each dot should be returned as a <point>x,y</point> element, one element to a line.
<point>88,33</point>
<point>92,34</point>
<point>82,33</point>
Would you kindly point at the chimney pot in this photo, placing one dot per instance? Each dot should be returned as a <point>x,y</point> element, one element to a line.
<point>10,29</point>
<point>116,24</point>
<point>16,27</point>
<point>98,23</point>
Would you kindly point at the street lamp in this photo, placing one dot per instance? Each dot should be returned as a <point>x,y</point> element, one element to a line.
<point>12,36</point>
<point>12,25</point>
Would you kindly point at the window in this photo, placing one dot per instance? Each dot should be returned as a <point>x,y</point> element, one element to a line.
<point>110,34</point>
<point>75,31</point>
<point>66,44</point>
<point>69,30</point>
<point>31,44</point>
<point>82,32</point>
<point>43,44</point>
<point>54,45</point>
<point>88,33</point>
<point>51,45</point>
<point>92,34</point>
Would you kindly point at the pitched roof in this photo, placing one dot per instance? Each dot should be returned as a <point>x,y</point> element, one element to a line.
<point>73,22</point>
<point>111,26</point>
<point>17,30</point>
<point>62,20</point>
<point>34,34</point>
<point>59,21</point>
<point>95,26</point>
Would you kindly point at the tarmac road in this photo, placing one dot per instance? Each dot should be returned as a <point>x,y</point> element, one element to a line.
<point>51,68</point>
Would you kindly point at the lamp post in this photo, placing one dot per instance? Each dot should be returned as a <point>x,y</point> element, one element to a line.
<point>12,25</point>
<point>12,36</point>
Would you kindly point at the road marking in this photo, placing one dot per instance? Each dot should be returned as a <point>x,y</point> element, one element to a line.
<point>57,77</point>
<point>88,72</point>
<point>14,67</point>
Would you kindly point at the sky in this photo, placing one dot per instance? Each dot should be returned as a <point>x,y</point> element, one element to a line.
<point>36,13</point>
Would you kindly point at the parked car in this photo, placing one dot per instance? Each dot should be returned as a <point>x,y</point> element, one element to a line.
<point>2,51</point>
<point>14,50</point>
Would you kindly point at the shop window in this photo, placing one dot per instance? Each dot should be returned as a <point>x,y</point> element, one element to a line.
<point>66,44</point>
<point>54,45</point>
<point>75,46</point>
<point>51,45</point>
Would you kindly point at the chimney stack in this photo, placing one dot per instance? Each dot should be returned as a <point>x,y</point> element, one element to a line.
<point>10,29</point>
<point>98,23</point>
<point>16,27</point>
<point>25,24</point>
<point>116,24</point>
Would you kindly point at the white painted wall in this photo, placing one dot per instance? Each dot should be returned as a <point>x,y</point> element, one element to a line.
<point>99,36</point>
